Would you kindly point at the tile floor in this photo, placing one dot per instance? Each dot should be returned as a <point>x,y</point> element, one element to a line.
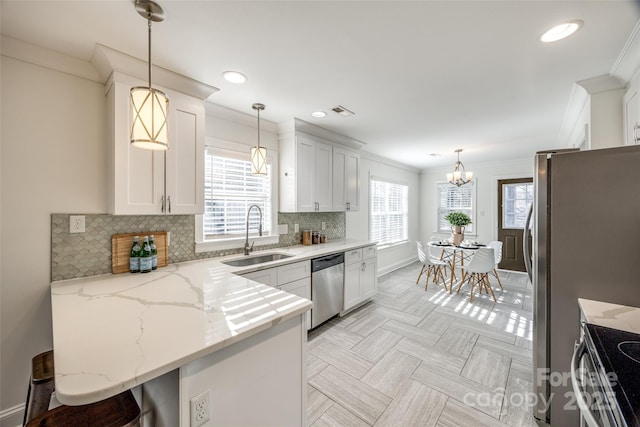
<point>416,358</point>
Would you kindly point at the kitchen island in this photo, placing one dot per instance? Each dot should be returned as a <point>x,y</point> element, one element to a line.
<point>183,330</point>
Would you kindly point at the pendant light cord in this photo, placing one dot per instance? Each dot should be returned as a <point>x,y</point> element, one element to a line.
<point>149,22</point>
<point>258,127</point>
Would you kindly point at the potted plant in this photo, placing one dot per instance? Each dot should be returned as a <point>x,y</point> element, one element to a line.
<point>458,220</point>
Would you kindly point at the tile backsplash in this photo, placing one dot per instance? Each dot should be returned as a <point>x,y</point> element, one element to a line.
<point>89,253</point>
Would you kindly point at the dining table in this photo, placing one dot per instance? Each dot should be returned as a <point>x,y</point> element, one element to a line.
<point>455,254</point>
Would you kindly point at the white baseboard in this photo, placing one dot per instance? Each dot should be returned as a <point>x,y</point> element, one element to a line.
<point>13,412</point>
<point>396,266</point>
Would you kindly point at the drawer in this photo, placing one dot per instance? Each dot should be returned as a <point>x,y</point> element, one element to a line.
<point>369,252</point>
<point>295,271</point>
<point>268,276</point>
<point>353,255</point>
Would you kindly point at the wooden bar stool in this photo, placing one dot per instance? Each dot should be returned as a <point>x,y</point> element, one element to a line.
<point>117,411</point>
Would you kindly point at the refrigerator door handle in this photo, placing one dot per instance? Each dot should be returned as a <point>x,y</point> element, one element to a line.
<point>525,241</point>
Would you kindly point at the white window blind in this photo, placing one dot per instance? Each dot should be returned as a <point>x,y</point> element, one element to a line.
<point>455,199</point>
<point>230,189</point>
<point>389,212</point>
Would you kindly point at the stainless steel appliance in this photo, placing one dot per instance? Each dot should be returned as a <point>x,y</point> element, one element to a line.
<point>327,287</point>
<point>586,243</point>
<point>605,374</point>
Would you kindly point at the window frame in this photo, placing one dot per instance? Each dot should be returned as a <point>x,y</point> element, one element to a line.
<point>383,245</point>
<point>239,151</point>
<point>474,184</point>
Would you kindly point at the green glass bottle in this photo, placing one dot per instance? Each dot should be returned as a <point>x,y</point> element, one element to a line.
<point>145,258</point>
<point>154,253</point>
<point>134,256</point>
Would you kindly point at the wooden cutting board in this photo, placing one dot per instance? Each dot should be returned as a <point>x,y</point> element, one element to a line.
<point>121,247</point>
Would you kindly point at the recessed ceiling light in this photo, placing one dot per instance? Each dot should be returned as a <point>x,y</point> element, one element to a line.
<point>234,77</point>
<point>561,31</point>
<point>318,114</point>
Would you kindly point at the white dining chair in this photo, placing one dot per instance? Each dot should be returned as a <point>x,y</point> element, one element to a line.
<point>497,250</point>
<point>476,272</point>
<point>431,265</point>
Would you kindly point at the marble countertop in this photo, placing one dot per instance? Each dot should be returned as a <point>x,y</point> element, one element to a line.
<point>622,317</point>
<point>114,332</point>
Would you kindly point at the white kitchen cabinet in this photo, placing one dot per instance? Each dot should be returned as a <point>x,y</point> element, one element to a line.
<point>294,278</point>
<point>346,180</point>
<point>307,175</point>
<point>632,116</point>
<point>144,182</point>
<point>360,276</point>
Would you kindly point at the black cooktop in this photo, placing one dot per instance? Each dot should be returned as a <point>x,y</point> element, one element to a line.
<point>619,352</point>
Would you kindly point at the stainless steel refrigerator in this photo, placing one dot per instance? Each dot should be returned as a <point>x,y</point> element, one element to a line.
<point>586,244</point>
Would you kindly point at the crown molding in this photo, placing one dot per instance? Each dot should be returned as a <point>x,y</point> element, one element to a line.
<point>43,57</point>
<point>628,61</point>
<point>239,117</point>
<point>107,61</point>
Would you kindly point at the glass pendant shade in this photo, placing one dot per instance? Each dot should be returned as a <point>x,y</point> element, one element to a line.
<point>149,118</point>
<point>258,160</point>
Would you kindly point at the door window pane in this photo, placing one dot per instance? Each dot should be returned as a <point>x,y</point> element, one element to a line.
<point>515,204</point>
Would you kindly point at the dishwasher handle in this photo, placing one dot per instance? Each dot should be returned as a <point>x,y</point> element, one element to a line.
<point>318,264</point>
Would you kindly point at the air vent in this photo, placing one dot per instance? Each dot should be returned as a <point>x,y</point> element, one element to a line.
<point>343,111</point>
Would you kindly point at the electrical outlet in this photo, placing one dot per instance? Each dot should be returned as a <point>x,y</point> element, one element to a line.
<point>324,225</point>
<point>296,228</point>
<point>76,224</point>
<point>200,409</point>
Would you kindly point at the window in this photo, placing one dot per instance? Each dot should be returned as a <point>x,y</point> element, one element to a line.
<point>455,199</point>
<point>515,205</point>
<point>389,212</point>
<point>230,189</point>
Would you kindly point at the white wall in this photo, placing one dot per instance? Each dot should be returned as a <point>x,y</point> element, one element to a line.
<point>358,222</point>
<point>53,160</point>
<point>486,178</point>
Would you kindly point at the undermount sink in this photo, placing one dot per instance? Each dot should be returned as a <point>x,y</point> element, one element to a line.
<point>256,259</point>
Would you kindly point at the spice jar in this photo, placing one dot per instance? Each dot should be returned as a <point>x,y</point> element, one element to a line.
<point>306,237</point>
<point>323,238</point>
<point>316,237</point>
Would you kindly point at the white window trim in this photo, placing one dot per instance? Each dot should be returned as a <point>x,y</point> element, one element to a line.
<point>473,209</point>
<point>234,149</point>
<point>383,246</point>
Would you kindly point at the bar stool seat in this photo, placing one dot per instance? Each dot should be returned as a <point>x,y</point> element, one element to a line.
<point>117,411</point>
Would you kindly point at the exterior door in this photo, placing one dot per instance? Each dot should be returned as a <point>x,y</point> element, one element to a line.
<point>514,198</point>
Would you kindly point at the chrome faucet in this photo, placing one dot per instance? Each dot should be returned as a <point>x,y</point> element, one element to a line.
<point>248,248</point>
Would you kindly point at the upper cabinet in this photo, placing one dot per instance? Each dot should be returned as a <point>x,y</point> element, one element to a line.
<point>146,182</point>
<point>143,182</point>
<point>346,180</point>
<point>316,174</point>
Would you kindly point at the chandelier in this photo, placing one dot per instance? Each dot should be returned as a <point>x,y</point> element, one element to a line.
<point>459,176</point>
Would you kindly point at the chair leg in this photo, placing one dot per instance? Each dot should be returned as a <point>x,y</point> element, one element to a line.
<point>473,282</point>
<point>486,278</point>
<point>420,275</point>
<point>495,273</point>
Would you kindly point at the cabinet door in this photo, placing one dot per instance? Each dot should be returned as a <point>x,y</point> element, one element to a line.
<point>305,174</point>
<point>136,176</point>
<point>631,116</point>
<point>339,180</point>
<point>368,279</point>
<point>185,157</point>
<point>353,182</point>
<point>301,288</point>
<point>323,176</point>
<point>351,285</point>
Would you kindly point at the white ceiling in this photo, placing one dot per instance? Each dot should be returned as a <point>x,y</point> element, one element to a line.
<point>422,76</point>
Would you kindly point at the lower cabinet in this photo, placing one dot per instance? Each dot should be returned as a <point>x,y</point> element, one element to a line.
<point>360,276</point>
<point>294,278</point>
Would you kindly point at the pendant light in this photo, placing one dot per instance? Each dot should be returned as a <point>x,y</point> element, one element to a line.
<point>457,177</point>
<point>149,106</point>
<point>258,153</point>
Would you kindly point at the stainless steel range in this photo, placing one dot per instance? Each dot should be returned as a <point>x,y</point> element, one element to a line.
<point>605,374</point>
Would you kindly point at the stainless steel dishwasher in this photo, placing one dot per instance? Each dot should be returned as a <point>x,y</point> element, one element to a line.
<point>327,287</point>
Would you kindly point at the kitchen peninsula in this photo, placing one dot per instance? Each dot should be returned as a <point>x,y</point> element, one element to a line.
<point>183,330</point>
